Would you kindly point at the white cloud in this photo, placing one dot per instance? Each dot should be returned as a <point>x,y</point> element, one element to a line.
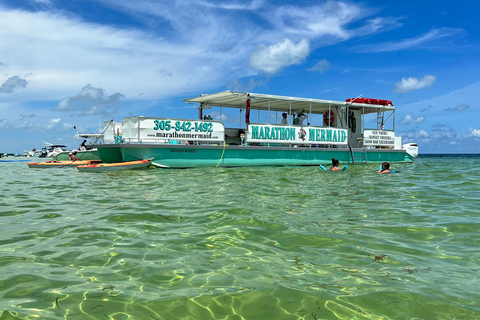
<point>47,2</point>
<point>240,5</point>
<point>423,133</point>
<point>64,52</point>
<point>460,107</point>
<point>428,38</point>
<point>272,58</point>
<point>13,83</point>
<point>412,83</point>
<point>53,123</point>
<point>411,119</point>
<point>90,101</point>
<point>321,67</point>
<point>448,141</point>
<point>475,133</point>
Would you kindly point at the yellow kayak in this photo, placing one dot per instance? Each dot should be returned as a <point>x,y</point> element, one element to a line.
<point>58,164</point>
<point>102,167</point>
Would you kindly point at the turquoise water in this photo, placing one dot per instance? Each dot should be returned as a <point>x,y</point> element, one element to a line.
<point>243,243</point>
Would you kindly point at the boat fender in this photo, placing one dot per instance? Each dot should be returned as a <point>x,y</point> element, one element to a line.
<point>323,168</point>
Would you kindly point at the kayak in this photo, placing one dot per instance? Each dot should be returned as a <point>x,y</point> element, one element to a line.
<point>105,167</point>
<point>58,164</point>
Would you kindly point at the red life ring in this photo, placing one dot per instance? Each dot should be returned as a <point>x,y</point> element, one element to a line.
<point>328,117</point>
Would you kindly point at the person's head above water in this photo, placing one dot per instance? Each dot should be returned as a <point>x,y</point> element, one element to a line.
<point>335,162</point>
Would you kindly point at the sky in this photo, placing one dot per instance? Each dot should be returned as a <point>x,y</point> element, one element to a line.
<point>82,62</point>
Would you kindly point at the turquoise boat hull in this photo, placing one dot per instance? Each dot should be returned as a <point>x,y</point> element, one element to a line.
<point>191,156</point>
<point>84,155</point>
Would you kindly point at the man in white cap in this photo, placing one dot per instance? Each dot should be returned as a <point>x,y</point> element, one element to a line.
<point>72,156</point>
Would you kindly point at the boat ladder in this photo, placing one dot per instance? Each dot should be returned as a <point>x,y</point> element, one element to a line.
<point>362,158</point>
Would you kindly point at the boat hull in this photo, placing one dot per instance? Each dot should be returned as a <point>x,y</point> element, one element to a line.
<point>107,167</point>
<point>191,156</point>
<point>84,155</point>
<point>57,164</point>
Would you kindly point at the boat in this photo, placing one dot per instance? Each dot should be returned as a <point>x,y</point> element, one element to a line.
<point>335,129</point>
<point>57,164</point>
<point>87,152</point>
<point>103,167</point>
<point>51,150</point>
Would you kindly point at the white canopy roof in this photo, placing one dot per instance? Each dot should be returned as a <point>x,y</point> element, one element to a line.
<point>90,135</point>
<point>231,99</point>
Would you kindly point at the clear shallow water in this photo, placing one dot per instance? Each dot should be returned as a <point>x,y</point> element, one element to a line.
<point>242,243</point>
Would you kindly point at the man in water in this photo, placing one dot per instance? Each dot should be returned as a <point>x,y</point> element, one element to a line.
<point>385,168</point>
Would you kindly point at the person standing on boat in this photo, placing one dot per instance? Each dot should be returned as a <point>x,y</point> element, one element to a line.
<point>83,146</point>
<point>335,164</point>
<point>385,168</point>
<point>299,119</point>
<point>284,120</point>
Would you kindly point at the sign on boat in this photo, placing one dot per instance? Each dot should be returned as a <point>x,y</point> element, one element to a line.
<point>334,129</point>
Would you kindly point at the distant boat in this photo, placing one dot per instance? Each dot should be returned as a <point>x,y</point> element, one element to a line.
<point>89,152</point>
<point>51,150</point>
<point>102,167</point>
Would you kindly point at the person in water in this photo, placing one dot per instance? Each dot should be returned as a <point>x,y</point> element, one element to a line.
<point>335,164</point>
<point>385,168</point>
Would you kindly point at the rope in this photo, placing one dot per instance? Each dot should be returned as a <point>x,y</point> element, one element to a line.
<point>93,144</point>
<point>224,144</point>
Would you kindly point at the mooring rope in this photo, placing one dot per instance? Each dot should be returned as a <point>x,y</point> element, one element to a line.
<point>224,145</point>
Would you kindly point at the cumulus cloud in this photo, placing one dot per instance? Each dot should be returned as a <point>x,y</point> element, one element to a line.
<point>412,83</point>
<point>321,67</point>
<point>411,119</point>
<point>273,58</point>
<point>174,44</point>
<point>53,123</point>
<point>13,83</point>
<point>91,101</point>
<point>447,141</point>
<point>475,133</point>
<point>460,107</point>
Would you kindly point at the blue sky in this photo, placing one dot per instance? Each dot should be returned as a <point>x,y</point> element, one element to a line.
<point>82,62</point>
